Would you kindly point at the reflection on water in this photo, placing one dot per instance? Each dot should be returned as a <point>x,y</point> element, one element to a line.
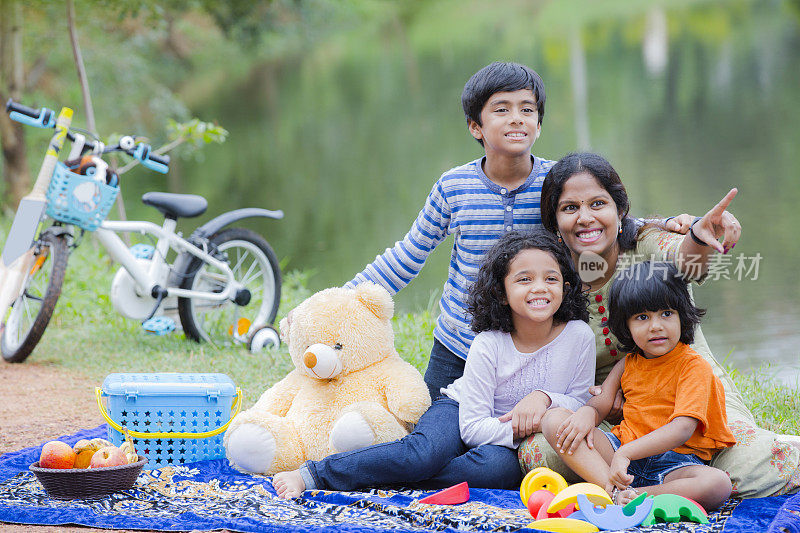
<point>685,102</point>
<point>768,342</point>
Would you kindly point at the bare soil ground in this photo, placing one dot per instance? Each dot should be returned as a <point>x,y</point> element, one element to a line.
<point>38,403</point>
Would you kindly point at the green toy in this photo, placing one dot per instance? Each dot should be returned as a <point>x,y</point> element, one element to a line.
<point>674,508</point>
<point>631,506</point>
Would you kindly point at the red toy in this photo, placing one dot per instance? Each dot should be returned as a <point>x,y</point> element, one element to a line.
<point>538,500</point>
<point>561,513</point>
<point>449,496</point>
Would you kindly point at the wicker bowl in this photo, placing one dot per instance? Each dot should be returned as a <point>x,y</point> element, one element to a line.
<point>74,483</point>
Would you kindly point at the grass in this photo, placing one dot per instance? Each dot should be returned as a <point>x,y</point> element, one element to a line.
<point>88,336</point>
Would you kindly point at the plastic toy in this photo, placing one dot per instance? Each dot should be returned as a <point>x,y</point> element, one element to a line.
<point>539,499</point>
<point>595,494</point>
<point>449,496</point>
<point>541,479</point>
<point>698,506</point>
<point>613,517</point>
<point>524,489</point>
<point>561,513</point>
<point>674,508</point>
<point>577,515</point>
<point>634,503</point>
<point>563,525</point>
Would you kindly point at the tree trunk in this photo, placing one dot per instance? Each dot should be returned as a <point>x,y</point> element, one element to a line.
<point>578,77</point>
<point>84,82</point>
<point>16,172</point>
<point>86,93</point>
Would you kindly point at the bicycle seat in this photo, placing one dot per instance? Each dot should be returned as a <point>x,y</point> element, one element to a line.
<point>176,205</point>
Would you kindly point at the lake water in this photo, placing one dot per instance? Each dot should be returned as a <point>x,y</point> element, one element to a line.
<point>348,137</point>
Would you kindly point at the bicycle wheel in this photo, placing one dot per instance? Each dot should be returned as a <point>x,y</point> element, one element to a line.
<point>32,310</point>
<point>254,266</point>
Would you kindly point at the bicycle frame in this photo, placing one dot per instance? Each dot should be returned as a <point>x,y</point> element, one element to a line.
<point>147,279</point>
<point>206,280</point>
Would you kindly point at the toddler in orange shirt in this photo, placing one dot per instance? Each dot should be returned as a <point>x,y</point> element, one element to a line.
<point>674,417</point>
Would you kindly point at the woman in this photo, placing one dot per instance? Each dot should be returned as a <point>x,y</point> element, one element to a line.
<point>586,205</point>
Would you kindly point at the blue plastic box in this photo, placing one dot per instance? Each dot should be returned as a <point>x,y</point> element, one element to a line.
<point>173,418</point>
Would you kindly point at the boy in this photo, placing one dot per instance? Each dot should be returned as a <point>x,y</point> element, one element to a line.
<point>478,202</point>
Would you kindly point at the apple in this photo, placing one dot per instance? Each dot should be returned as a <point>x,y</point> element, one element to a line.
<point>57,454</point>
<point>108,456</point>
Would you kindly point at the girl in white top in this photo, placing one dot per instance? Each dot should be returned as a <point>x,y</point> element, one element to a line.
<point>534,349</point>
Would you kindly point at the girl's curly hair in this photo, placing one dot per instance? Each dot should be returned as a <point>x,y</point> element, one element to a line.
<point>487,301</point>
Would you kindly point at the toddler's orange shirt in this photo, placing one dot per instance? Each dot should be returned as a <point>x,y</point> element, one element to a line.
<point>679,383</point>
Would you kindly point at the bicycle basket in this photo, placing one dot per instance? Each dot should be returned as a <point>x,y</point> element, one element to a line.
<point>78,200</point>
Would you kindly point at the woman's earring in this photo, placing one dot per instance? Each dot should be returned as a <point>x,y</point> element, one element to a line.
<point>558,234</point>
<point>620,227</point>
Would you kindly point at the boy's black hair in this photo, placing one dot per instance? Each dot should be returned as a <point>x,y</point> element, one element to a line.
<point>606,176</point>
<point>487,302</point>
<point>500,77</point>
<point>650,286</point>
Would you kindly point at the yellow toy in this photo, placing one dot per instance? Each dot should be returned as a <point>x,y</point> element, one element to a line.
<point>597,495</point>
<point>524,491</point>
<point>541,479</point>
<point>349,387</point>
<point>563,525</point>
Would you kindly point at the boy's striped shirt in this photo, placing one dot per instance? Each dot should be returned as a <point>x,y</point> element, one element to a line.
<point>477,211</point>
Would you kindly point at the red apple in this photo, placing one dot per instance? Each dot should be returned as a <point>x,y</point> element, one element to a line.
<point>108,456</point>
<point>57,454</point>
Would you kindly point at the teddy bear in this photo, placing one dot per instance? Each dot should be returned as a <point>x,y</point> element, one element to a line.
<point>349,387</point>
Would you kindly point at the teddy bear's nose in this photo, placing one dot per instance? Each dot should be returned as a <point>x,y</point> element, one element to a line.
<point>322,361</point>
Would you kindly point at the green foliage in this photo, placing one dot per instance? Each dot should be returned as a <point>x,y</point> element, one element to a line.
<point>196,132</point>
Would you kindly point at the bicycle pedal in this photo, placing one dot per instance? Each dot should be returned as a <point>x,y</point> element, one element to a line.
<point>159,325</point>
<point>142,251</point>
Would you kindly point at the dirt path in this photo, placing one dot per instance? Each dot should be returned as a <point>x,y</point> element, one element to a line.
<point>39,403</point>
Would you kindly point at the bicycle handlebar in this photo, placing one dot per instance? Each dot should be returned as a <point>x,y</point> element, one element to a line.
<point>46,118</point>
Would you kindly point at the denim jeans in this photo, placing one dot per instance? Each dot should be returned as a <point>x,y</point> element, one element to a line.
<point>444,367</point>
<point>652,470</point>
<point>431,457</point>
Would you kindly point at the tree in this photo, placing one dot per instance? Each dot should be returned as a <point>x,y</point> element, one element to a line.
<point>16,171</point>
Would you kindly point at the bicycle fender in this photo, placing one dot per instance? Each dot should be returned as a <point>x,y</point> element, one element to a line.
<point>215,224</point>
<point>211,227</point>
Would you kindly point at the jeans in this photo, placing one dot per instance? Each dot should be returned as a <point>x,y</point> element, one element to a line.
<point>652,470</point>
<point>431,457</point>
<point>444,367</point>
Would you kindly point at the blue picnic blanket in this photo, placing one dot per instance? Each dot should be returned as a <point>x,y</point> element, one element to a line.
<point>211,495</point>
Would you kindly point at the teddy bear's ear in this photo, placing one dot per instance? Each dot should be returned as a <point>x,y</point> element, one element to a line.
<point>376,299</point>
